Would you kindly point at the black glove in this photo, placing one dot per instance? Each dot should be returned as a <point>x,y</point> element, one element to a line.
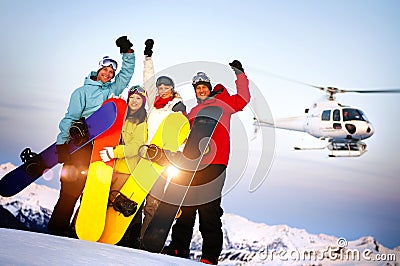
<point>63,152</point>
<point>149,46</point>
<point>157,155</point>
<point>124,44</point>
<point>237,67</point>
<point>78,132</point>
<point>161,156</point>
<point>179,107</point>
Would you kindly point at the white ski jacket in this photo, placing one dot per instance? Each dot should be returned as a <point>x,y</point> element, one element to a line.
<point>155,116</point>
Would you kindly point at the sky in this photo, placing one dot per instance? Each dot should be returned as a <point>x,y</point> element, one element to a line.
<point>48,48</point>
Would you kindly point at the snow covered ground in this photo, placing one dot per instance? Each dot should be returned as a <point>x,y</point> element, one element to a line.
<point>27,248</point>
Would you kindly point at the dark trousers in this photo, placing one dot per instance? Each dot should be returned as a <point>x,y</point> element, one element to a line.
<point>73,179</point>
<point>209,208</point>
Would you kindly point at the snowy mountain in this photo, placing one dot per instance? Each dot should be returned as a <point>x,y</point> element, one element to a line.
<point>244,241</point>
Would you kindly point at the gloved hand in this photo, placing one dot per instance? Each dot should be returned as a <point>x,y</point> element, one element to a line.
<point>179,107</point>
<point>161,156</point>
<point>237,67</point>
<point>157,155</point>
<point>124,44</point>
<point>148,50</point>
<point>107,154</point>
<point>63,152</point>
<point>78,132</point>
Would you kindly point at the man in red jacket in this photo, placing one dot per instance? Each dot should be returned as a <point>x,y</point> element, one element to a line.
<point>204,195</point>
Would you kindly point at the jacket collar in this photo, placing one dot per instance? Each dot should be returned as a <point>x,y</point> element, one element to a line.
<point>218,92</point>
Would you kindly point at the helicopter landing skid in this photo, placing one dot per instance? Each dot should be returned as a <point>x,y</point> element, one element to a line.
<point>347,148</point>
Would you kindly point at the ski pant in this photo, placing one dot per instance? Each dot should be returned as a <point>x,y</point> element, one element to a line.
<point>152,202</point>
<point>205,190</point>
<point>73,179</point>
<point>149,209</point>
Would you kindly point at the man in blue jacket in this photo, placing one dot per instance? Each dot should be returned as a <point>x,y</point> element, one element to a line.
<point>84,101</point>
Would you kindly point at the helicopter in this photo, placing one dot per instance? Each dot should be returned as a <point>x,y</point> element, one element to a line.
<point>342,127</point>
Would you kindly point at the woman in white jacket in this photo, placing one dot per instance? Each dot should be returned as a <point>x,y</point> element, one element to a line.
<point>162,100</point>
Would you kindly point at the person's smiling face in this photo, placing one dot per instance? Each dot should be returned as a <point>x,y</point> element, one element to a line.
<point>105,74</point>
<point>135,102</point>
<point>202,91</point>
<point>165,91</point>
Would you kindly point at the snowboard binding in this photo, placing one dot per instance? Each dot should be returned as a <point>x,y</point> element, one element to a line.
<point>34,164</point>
<point>79,132</point>
<point>123,204</point>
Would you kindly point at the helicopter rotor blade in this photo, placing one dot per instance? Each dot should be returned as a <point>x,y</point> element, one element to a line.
<point>330,90</point>
<point>290,80</point>
<point>373,91</point>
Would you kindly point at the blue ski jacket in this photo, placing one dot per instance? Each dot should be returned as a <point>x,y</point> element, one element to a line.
<point>87,99</point>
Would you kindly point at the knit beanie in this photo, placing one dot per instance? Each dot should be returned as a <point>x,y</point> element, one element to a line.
<point>137,89</point>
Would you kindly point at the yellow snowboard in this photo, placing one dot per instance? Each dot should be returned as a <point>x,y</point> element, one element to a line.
<point>171,134</point>
<point>89,223</point>
<point>92,211</point>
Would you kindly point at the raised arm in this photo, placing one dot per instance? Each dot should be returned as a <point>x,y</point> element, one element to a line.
<point>124,76</point>
<point>149,82</point>
<point>242,97</point>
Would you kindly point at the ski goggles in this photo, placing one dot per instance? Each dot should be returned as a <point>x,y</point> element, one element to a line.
<point>165,80</point>
<point>200,76</point>
<point>137,89</point>
<point>107,61</point>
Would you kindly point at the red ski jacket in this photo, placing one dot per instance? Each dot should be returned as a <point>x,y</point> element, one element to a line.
<point>230,104</point>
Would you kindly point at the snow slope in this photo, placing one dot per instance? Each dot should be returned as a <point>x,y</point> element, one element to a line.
<point>27,248</point>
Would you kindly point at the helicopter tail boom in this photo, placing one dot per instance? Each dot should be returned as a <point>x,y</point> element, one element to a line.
<point>289,123</point>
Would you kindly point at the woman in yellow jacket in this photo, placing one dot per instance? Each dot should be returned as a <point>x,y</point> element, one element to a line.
<point>134,134</point>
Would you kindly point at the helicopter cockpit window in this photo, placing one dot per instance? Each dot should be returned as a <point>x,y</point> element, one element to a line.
<point>353,114</point>
<point>336,115</point>
<point>326,115</point>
